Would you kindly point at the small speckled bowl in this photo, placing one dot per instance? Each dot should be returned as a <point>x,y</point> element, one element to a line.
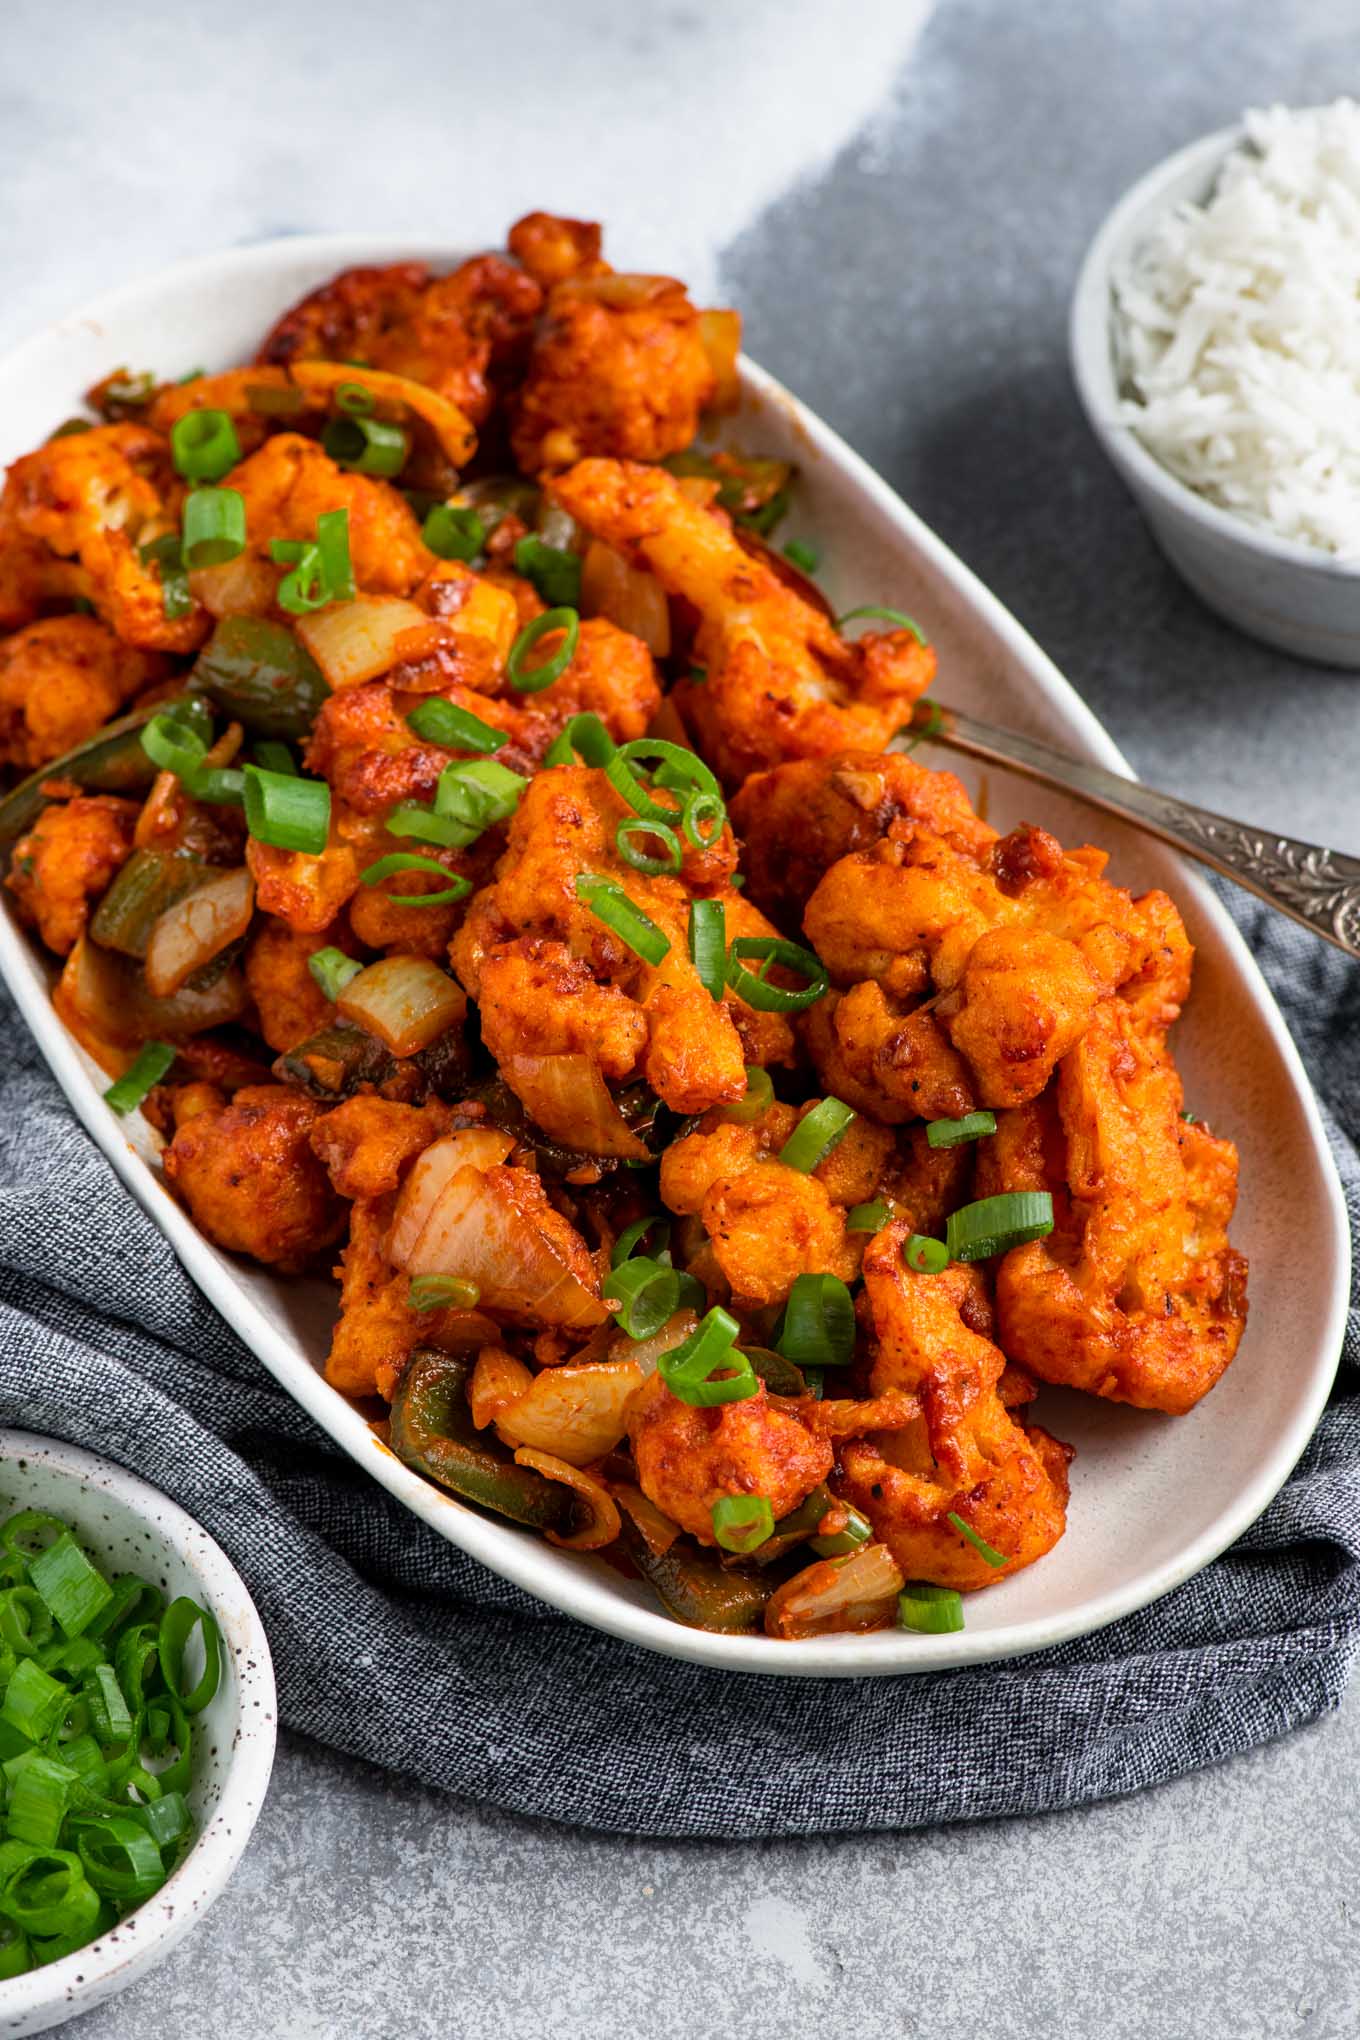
<point>129,1527</point>
<point>1294,596</point>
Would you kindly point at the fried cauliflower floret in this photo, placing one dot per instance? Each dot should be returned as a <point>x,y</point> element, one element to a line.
<point>1136,1295</point>
<point>60,681</point>
<point>552,249</point>
<point>251,1181</point>
<point>290,482</point>
<point>455,333</point>
<point>289,1001</point>
<point>305,891</point>
<point>687,1459</point>
<point>618,367</point>
<point>367,1142</point>
<point>781,682</point>
<point>66,862</point>
<point>364,745</point>
<point>966,1454</point>
<point>375,1332</point>
<point>1023,944</point>
<point>767,1224</point>
<point>552,977</point>
<point>886,1059</point>
<point>799,819</point>
<point>95,497</point>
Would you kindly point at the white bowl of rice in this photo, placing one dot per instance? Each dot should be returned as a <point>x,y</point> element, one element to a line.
<point>1215,341</point>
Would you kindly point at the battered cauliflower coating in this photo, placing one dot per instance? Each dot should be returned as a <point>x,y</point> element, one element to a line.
<point>61,680</point>
<point>618,367</point>
<point>67,861</point>
<point>767,1224</point>
<point>1136,1295</point>
<point>290,482</point>
<point>966,1454</point>
<point>250,1180</point>
<point>551,977</point>
<point>96,497</point>
<point>687,1459</point>
<point>367,1142</point>
<point>289,1002</point>
<point>781,683</point>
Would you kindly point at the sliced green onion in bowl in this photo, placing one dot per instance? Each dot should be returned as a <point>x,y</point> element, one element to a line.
<point>204,446</point>
<point>453,532</point>
<point>555,573</point>
<point>150,1065</point>
<point>332,970</point>
<point>993,1225</point>
<point>818,1325</point>
<point>742,1522</point>
<point>456,729</point>
<point>925,1256</point>
<point>929,1610</point>
<point>708,944</point>
<point>896,617</point>
<point>816,1134</point>
<point>947,1133</point>
<point>609,903</point>
<point>994,1558</point>
<point>527,679</point>
<point>287,812</point>
<point>72,1589</point>
<point>754,990</point>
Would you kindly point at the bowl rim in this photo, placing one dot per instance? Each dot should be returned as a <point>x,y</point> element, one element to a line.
<point>1089,330</point>
<point>195,1883</point>
<point>553,1577</point>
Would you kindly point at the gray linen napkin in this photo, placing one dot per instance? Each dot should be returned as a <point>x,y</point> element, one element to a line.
<point>390,1644</point>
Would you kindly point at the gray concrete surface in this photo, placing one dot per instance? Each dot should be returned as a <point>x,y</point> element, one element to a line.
<point>902,229</point>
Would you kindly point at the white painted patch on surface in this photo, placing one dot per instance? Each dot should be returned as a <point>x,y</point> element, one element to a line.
<point>777,1929</point>
<point>676,123</point>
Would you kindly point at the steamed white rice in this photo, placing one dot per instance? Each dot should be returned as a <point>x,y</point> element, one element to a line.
<point>1237,331</point>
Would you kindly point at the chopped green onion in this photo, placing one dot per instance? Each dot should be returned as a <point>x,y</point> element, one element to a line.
<point>708,944</point>
<point>644,1295</point>
<point>34,1701</point>
<point>816,1134</point>
<point>757,1098</point>
<point>869,1218</point>
<point>457,729</point>
<point>1191,1118</point>
<point>116,1723</point>
<point>676,767</point>
<point>453,532</point>
<point>332,540</point>
<point>804,556</point>
<point>984,1550</point>
<point>366,446</point>
<point>355,399</point>
<point>172,746</point>
<point>332,970</point>
<point>894,616</point>
<point>178,1624</point>
<point>927,719</point>
<point>555,573</point>
<point>609,903</point>
<point>855,1531</point>
<point>442,1292</point>
<point>407,860</point>
<point>996,1224</point>
<point>633,1235</point>
<point>741,1522</point>
<point>274,756</point>
<point>414,819</point>
<point>120,1858</point>
<point>689,1370</point>
<point>478,792</point>
<point>151,1063</point>
<point>304,589</point>
<point>584,737</point>
<point>818,1325</point>
<point>703,818</point>
<point>641,860</point>
<point>947,1133</point>
<point>25,1624</point>
<point>73,1590</point>
<point>756,992</point>
<point>166,554</point>
<point>924,1255</point>
<point>48,1894</point>
<point>929,1610</point>
<point>214,527</point>
<point>533,679</point>
<point>39,1795</point>
<point>204,446</point>
<point>286,812</point>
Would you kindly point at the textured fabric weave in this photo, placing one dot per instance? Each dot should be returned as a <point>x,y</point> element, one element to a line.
<point>390,1644</point>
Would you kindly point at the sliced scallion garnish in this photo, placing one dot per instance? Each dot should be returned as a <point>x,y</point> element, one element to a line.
<point>994,1225</point>
<point>947,1133</point>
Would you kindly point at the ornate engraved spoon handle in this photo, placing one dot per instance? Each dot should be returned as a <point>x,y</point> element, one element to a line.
<point>1319,888</point>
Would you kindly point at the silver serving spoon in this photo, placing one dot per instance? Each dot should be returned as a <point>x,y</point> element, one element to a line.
<point>1316,887</point>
